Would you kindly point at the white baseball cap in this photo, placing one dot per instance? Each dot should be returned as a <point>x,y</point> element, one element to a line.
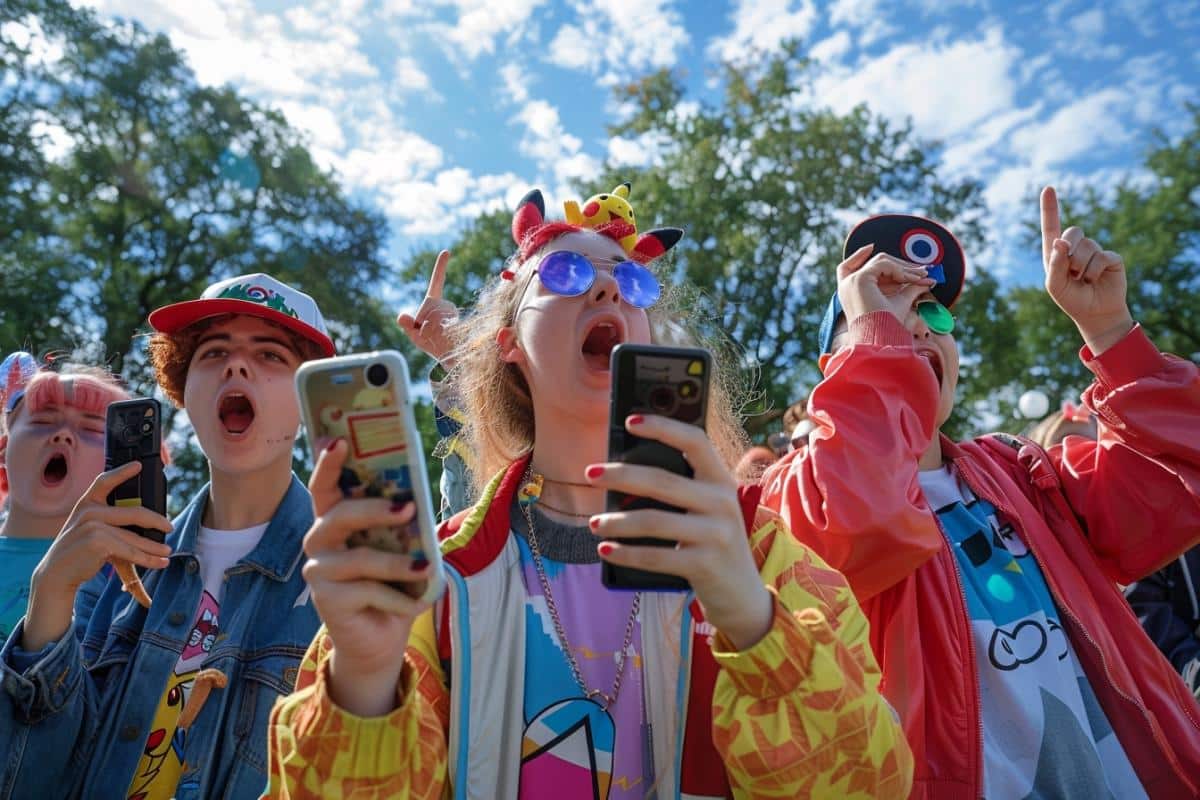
<point>255,295</point>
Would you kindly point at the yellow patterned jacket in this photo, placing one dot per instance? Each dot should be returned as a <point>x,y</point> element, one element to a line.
<point>798,714</point>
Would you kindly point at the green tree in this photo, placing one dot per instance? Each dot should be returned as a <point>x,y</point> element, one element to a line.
<point>159,187</point>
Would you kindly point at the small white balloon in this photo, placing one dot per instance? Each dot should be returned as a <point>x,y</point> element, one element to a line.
<point>1033,404</point>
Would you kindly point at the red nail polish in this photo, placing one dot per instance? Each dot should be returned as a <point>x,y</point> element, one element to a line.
<point>594,523</point>
<point>594,471</point>
<point>420,564</point>
<point>604,549</point>
<point>329,447</point>
<point>635,419</point>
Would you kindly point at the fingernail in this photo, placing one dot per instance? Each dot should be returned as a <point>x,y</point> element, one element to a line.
<point>604,549</point>
<point>420,565</point>
<point>398,505</point>
<point>594,523</point>
<point>329,447</point>
<point>594,471</point>
<point>635,419</point>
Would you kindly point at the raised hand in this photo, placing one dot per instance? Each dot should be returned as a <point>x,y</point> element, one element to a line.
<point>92,535</point>
<point>368,621</point>
<point>881,282</point>
<point>427,329</point>
<point>1087,282</point>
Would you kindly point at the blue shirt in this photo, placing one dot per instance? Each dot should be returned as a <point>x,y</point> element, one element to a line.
<point>18,557</point>
<point>1044,732</point>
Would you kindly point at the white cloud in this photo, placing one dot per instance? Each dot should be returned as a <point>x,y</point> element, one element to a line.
<point>760,25</point>
<point>865,15</point>
<point>619,39</point>
<point>1081,127</point>
<point>639,151</point>
<point>832,48</point>
<point>318,120</point>
<point>1088,25</point>
<point>410,76</point>
<point>513,83</point>
<point>947,88</point>
<point>476,24</point>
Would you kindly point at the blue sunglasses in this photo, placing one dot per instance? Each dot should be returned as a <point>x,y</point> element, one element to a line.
<point>571,274</point>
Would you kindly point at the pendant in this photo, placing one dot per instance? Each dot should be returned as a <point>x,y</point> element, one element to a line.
<point>531,491</point>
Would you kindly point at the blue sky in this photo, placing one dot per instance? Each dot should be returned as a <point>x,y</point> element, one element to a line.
<point>439,109</point>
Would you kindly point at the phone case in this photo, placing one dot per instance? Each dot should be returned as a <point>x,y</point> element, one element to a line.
<point>133,432</point>
<point>650,379</point>
<point>364,399</point>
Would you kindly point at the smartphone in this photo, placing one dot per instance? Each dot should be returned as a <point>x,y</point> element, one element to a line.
<point>133,432</point>
<point>364,399</point>
<point>670,382</point>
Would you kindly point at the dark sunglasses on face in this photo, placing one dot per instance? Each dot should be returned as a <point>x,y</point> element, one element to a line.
<point>571,274</point>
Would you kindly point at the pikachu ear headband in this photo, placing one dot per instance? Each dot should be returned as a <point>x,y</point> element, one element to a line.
<point>609,214</point>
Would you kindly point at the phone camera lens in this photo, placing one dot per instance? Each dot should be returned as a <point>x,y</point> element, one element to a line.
<point>662,399</point>
<point>147,427</point>
<point>131,435</point>
<point>377,375</point>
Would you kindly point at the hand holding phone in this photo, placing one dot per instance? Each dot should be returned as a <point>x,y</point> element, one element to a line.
<point>363,399</point>
<point>666,381</point>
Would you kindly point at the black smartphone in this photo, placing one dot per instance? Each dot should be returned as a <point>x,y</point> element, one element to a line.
<point>133,432</point>
<point>670,382</point>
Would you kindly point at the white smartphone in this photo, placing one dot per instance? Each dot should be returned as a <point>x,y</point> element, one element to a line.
<point>364,399</point>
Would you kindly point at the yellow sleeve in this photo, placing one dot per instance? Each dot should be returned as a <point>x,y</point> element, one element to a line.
<point>318,750</point>
<point>799,714</point>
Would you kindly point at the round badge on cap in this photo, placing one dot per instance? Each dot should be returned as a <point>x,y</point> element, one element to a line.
<point>917,240</point>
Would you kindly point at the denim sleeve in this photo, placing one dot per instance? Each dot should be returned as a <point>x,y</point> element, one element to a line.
<point>48,710</point>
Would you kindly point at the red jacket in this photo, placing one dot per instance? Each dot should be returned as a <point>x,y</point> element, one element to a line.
<point>1093,514</point>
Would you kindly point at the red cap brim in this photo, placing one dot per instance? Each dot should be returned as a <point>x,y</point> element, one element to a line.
<point>176,317</point>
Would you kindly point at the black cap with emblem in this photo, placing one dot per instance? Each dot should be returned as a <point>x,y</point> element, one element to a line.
<point>919,240</point>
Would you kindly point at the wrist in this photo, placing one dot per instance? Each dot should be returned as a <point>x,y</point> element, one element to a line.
<point>746,625</point>
<point>48,616</point>
<point>364,692</point>
<point>1101,334</point>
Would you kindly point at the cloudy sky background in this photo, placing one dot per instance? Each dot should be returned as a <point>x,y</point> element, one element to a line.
<point>439,109</point>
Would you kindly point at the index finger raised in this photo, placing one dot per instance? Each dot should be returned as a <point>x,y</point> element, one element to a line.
<point>437,280</point>
<point>1051,222</point>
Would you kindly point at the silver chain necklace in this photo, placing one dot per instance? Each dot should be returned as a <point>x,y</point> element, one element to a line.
<point>606,701</point>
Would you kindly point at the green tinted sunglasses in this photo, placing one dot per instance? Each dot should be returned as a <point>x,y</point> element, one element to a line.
<point>936,316</point>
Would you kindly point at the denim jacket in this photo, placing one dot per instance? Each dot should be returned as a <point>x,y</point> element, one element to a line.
<point>74,716</point>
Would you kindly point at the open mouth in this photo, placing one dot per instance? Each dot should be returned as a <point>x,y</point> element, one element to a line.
<point>599,343</point>
<point>935,363</point>
<point>55,471</point>
<point>236,412</point>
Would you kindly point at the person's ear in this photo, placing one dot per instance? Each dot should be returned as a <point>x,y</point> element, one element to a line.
<point>510,347</point>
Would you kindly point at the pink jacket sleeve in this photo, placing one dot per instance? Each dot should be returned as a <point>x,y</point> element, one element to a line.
<point>852,494</point>
<point>1137,489</point>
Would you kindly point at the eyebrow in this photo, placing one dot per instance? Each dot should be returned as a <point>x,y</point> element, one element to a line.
<point>225,337</point>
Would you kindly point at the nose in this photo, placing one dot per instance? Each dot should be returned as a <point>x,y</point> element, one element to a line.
<point>237,365</point>
<point>605,289</point>
<point>916,325</point>
<point>64,436</point>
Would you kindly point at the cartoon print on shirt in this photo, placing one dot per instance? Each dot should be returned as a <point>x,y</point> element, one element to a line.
<point>164,745</point>
<point>204,630</point>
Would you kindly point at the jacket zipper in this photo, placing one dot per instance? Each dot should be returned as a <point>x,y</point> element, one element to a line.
<point>973,677</point>
<point>1095,646</point>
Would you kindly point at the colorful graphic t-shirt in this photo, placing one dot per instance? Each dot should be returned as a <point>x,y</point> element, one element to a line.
<point>1044,732</point>
<point>572,747</point>
<point>161,764</point>
<point>18,557</point>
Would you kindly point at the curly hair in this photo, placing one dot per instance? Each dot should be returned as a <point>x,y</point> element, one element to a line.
<point>171,353</point>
